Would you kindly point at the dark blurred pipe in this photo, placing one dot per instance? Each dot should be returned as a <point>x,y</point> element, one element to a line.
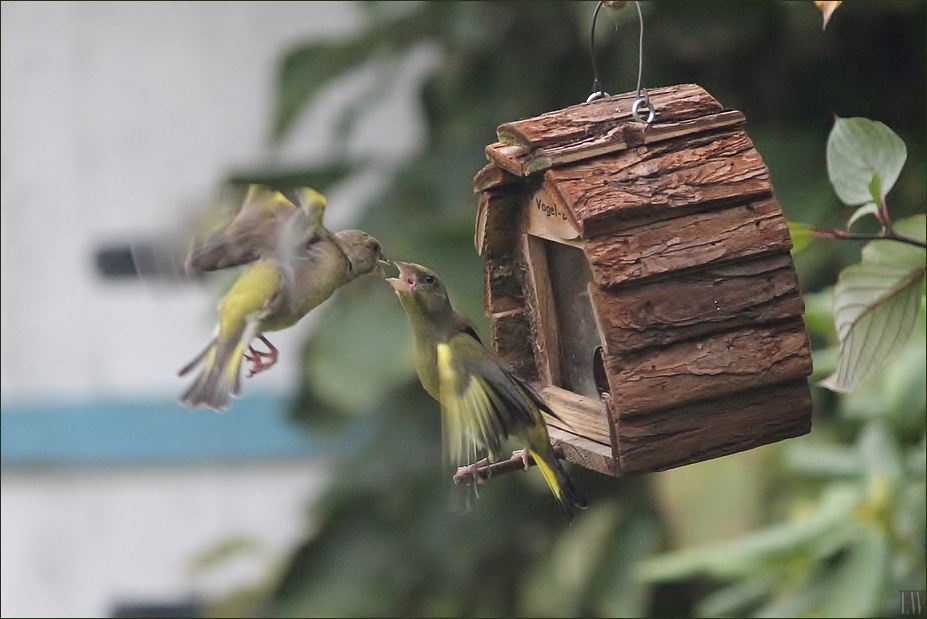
<point>116,261</point>
<point>156,259</point>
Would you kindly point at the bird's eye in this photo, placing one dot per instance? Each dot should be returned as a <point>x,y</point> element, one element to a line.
<point>429,279</point>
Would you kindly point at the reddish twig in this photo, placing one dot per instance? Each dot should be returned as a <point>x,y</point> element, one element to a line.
<point>888,234</point>
<point>483,473</point>
<point>888,231</point>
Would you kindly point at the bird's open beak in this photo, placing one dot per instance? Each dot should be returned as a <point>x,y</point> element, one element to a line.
<point>382,261</point>
<point>406,278</point>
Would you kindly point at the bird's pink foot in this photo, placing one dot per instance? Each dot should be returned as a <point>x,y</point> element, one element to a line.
<point>471,470</point>
<point>259,359</point>
<point>524,456</point>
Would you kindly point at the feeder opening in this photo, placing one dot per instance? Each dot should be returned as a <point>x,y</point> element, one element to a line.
<point>577,334</point>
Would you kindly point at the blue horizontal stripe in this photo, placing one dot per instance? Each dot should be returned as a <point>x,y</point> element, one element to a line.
<point>105,433</point>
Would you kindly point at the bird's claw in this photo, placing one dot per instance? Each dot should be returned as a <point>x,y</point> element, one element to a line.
<point>524,456</point>
<point>472,470</point>
<point>259,359</point>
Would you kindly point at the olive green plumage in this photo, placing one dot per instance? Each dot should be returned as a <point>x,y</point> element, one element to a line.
<point>294,264</point>
<point>483,401</point>
<point>257,229</point>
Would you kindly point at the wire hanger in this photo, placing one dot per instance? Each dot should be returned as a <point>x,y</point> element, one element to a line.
<point>642,103</point>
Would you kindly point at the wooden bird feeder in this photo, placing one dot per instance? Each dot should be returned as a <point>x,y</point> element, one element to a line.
<point>639,277</point>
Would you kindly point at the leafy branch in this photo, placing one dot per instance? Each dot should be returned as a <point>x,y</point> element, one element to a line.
<point>888,232</point>
<point>849,551</point>
<point>876,301</point>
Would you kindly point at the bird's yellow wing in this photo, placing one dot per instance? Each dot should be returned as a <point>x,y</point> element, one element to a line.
<point>483,402</point>
<point>250,295</point>
<point>240,314</point>
<point>253,233</point>
<point>313,205</point>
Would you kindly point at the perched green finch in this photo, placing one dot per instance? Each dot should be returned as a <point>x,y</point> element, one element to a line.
<point>483,402</point>
<point>296,264</point>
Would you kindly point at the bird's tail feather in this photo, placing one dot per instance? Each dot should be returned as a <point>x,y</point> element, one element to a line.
<point>565,491</point>
<point>219,377</point>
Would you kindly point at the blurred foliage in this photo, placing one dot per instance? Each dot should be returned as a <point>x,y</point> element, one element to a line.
<point>843,507</point>
<point>855,530</point>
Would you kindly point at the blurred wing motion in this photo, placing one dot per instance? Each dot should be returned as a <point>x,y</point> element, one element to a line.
<point>295,265</point>
<point>258,230</point>
<point>483,401</point>
<point>164,256</point>
<point>240,315</point>
<point>159,258</point>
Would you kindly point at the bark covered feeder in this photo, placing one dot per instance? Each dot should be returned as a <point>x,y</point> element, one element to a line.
<point>639,276</point>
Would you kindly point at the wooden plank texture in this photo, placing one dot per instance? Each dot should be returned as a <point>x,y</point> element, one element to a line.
<point>491,176</point>
<point>712,366</point>
<point>499,219</point>
<point>697,303</point>
<point>584,452</point>
<point>508,157</point>
<point>695,295</point>
<point>623,137</point>
<point>578,122</point>
<point>683,243</point>
<point>541,307</point>
<point>711,428</point>
<point>670,179</point>
<point>503,282</point>
<point>578,414</point>
<point>511,339</point>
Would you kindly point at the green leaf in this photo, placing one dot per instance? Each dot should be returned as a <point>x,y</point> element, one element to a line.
<point>875,189</point>
<point>867,209</point>
<point>730,601</point>
<point>307,70</point>
<point>881,456</point>
<point>875,307</point>
<point>893,252</point>
<point>802,235</point>
<point>821,459</point>
<point>557,586</point>
<point>822,532</point>
<point>857,590</point>
<point>904,386</point>
<point>898,394</point>
<point>876,304</point>
<point>857,150</point>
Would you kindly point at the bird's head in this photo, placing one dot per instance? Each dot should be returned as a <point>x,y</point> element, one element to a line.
<point>364,252</point>
<point>420,291</point>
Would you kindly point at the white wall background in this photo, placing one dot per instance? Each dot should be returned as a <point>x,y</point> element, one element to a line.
<point>115,118</point>
<point>79,544</point>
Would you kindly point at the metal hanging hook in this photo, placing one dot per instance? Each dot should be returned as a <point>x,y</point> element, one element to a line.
<point>642,104</point>
<point>597,92</point>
